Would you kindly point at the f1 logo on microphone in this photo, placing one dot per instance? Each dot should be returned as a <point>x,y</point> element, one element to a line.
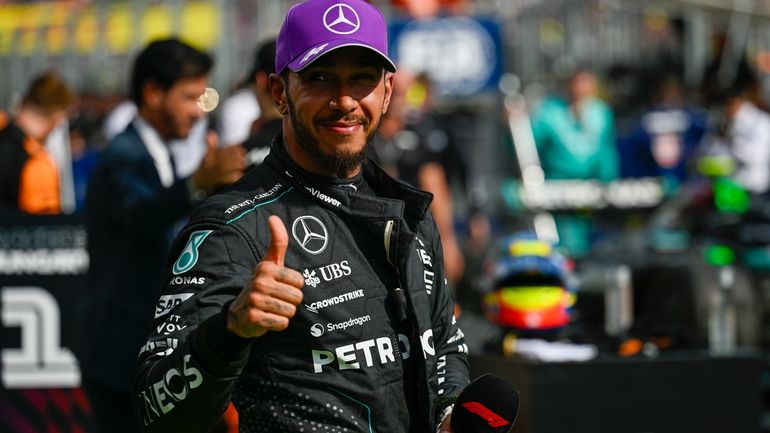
<point>493,419</point>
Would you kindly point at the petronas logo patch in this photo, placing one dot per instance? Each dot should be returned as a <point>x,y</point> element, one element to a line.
<point>189,256</point>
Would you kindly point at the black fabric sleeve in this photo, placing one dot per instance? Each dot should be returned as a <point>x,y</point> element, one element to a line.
<point>451,349</point>
<point>190,364</point>
<point>218,348</point>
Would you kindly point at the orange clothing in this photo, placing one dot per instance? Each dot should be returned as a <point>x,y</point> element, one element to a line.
<point>29,176</point>
<point>39,181</point>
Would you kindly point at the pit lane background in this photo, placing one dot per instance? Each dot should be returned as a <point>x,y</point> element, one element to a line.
<point>43,265</point>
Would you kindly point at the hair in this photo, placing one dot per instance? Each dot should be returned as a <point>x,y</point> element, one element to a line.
<point>165,62</point>
<point>48,94</point>
<point>743,85</point>
<point>264,59</point>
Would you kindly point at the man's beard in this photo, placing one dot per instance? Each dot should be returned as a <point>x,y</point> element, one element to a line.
<point>339,164</point>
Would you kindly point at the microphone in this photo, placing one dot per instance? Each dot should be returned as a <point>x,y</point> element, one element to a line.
<point>489,404</point>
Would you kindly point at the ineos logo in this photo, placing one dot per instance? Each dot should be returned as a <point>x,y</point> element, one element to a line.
<point>341,19</point>
<point>310,233</point>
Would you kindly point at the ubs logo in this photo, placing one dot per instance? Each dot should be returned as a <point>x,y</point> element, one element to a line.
<point>310,233</point>
<point>341,19</point>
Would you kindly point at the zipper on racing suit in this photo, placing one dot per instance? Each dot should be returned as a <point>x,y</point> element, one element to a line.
<point>400,303</point>
<point>401,306</point>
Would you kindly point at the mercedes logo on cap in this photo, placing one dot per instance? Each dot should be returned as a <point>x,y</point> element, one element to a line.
<point>310,233</point>
<point>341,19</point>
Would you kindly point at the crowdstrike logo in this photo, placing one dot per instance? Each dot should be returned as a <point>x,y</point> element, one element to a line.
<point>341,19</point>
<point>310,233</point>
<point>313,307</point>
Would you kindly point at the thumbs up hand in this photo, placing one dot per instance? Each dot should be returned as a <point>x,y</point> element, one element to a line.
<point>220,165</point>
<point>271,296</point>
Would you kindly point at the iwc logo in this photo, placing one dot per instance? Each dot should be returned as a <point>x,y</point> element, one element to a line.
<point>310,233</point>
<point>341,19</point>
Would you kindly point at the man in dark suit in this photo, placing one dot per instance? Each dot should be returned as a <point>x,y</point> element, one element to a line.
<point>133,204</point>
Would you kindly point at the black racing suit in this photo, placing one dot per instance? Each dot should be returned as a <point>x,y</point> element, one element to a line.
<point>372,348</point>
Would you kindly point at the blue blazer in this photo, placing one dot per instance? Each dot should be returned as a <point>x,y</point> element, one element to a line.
<point>131,220</point>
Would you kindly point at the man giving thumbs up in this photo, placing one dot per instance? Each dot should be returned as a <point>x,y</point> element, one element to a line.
<point>271,297</point>
<point>310,293</point>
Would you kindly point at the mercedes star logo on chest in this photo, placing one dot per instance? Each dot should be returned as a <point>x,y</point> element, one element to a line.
<point>310,233</point>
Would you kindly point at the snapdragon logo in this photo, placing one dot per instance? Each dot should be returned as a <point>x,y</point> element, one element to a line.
<point>318,330</point>
<point>357,321</point>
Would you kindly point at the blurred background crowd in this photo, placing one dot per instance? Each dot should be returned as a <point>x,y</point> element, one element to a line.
<point>601,168</point>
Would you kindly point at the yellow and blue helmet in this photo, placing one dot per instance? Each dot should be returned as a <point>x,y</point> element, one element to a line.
<point>531,285</point>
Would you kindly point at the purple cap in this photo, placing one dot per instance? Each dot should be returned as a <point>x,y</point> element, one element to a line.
<point>316,27</point>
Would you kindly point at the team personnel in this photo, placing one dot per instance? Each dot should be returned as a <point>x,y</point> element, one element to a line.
<point>270,121</point>
<point>134,202</point>
<point>29,177</point>
<point>312,291</point>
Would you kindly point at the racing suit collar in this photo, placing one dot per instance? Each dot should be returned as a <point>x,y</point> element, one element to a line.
<point>394,198</point>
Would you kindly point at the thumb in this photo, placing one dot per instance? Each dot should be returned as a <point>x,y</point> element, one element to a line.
<point>212,139</point>
<point>212,143</point>
<point>279,241</point>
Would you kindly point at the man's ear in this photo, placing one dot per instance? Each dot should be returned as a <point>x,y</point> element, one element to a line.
<point>278,92</point>
<point>388,91</point>
<point>152,95</point>
<point>262,80</point>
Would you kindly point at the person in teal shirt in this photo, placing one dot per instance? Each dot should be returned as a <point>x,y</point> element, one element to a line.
<point>575,139</point>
